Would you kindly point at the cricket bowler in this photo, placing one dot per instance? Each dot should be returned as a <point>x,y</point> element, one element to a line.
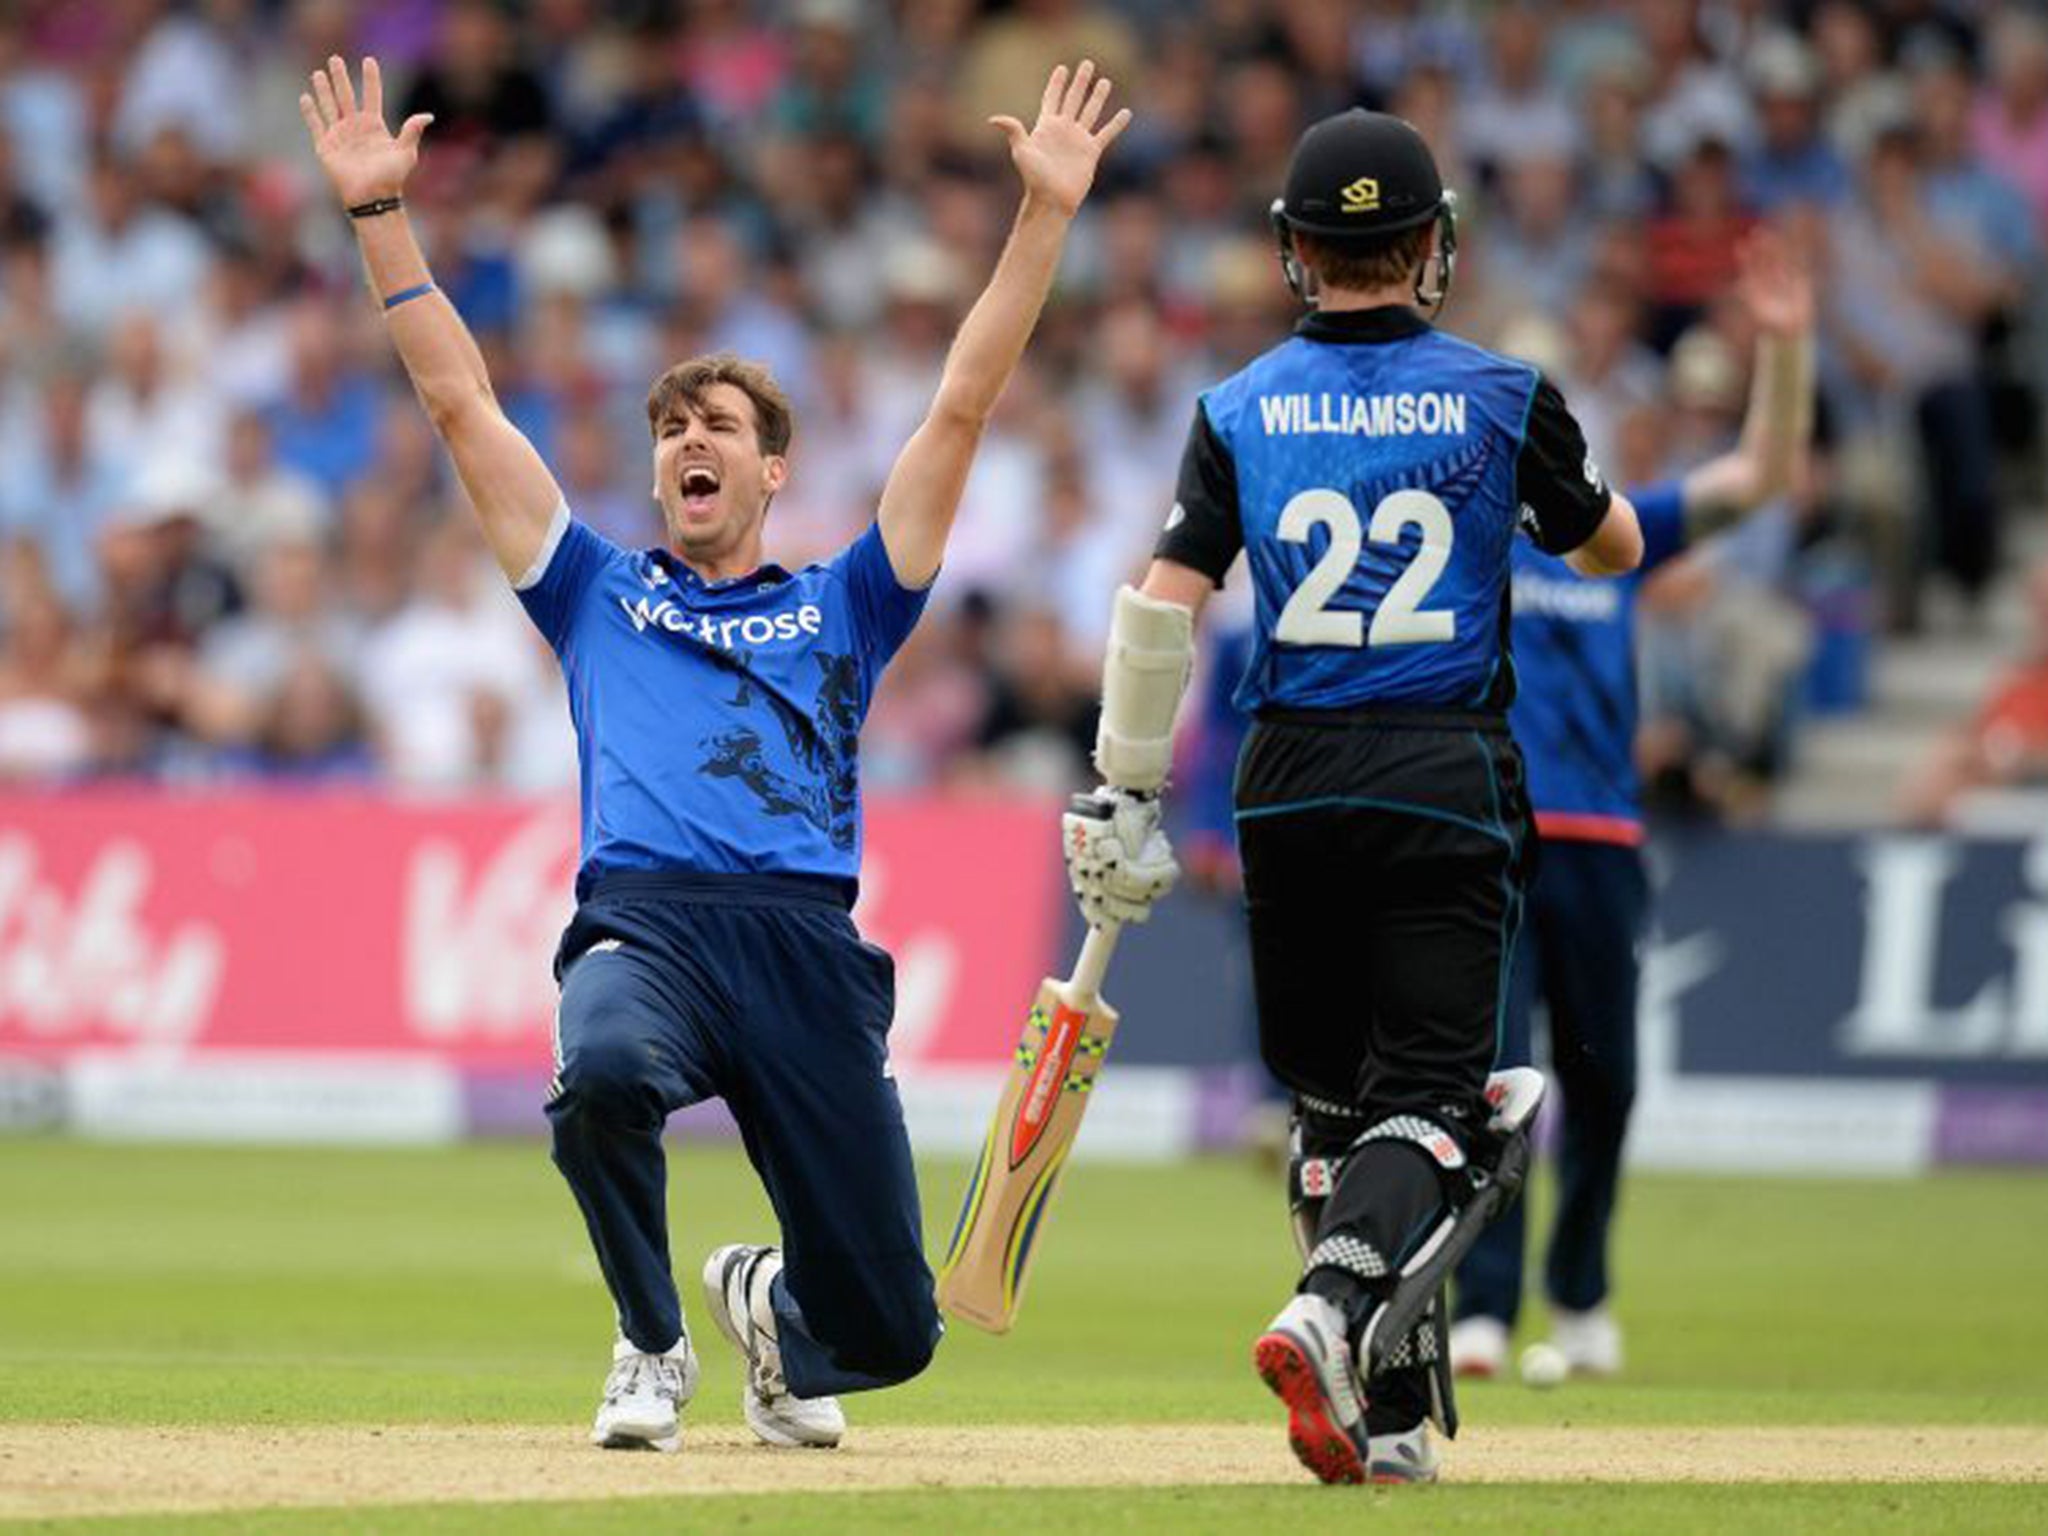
<point>1575,721</point>
<point>1374,472</point>
<point>718,701</point>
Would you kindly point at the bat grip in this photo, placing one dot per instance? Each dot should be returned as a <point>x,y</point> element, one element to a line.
<point>1096,949</point>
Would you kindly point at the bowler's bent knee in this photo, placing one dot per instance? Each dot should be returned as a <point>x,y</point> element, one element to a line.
<point>611,1079</point>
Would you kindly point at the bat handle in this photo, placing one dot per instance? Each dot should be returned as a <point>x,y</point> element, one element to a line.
<point>1094,961</point>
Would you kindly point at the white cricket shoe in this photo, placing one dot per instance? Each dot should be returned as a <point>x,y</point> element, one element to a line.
<point>736,1282</point>
<point>644,1398</point>
<point>1479,1347</point>
<point>1409,1457</point>
<point>1306,1361</point>
<point>1589,1341</point>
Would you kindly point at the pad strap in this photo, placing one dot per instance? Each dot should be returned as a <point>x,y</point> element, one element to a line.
<point>1330,1109</point>
<point>1353,1255</point>
<point>1443,1148</point>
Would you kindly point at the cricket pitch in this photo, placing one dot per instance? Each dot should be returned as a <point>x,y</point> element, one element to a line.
<point>54,1470</point>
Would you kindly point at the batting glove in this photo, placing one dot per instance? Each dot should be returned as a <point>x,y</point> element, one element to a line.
<point>1118,859</point>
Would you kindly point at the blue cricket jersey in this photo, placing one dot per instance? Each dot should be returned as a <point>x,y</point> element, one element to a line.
<point>1575,717</point>
<point>1375,472</point>
<point>718,723</point>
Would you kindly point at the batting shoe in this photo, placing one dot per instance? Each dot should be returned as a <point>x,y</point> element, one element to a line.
<point>1306,1361</point>
<point>1590,1341</point>
<point>644,1398</point>
<point>737,1278</point>
<point>1479,1347</point>
<point>1409,1457</point>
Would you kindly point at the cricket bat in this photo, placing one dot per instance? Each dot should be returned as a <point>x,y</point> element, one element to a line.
<point>1065,1038</point>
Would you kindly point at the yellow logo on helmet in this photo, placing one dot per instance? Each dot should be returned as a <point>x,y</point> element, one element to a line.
<point>1362,196</point>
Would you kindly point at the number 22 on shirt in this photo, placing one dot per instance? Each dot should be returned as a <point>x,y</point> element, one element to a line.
<point>1400,618</point>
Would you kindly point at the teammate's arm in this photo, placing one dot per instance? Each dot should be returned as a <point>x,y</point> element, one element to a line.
<point>514,494</point>
<point>1771,458</point>
<point>1056,159</point>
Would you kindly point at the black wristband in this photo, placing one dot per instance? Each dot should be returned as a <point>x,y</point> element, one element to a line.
<point>371,209</point>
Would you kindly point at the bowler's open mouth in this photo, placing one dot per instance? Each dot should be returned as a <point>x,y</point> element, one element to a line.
<point>700,488</point>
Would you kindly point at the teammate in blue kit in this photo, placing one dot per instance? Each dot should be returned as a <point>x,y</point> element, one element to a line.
<point>1576,722</point>
<point>718,701</point>
<point>1374,472</point>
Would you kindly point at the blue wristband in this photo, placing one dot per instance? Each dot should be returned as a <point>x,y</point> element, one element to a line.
<point>404,294</point>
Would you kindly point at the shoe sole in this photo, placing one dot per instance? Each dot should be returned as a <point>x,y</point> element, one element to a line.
<point>1382,1475</point>
<point>775,1435</point>
<point>1318,1443</point>
<point>625,1440</point>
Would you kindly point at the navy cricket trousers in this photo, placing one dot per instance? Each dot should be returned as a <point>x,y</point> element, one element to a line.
<point>756,989</point>
<point>1578,954</point>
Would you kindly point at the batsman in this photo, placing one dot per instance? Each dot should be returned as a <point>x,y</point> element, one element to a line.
<point>1374,472</point>
<point>718,700</point>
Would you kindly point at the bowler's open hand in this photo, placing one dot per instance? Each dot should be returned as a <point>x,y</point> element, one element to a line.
<point>1058,155</point>
<point>363,159</point>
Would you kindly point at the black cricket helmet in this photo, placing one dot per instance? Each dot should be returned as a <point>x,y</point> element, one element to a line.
<point>1357,179</point>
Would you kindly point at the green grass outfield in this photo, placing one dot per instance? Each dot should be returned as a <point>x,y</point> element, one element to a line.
<point>169,1286</point>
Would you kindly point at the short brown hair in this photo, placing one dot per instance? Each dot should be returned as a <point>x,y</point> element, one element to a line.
<point>685,385</point>
<point>1362,266</point>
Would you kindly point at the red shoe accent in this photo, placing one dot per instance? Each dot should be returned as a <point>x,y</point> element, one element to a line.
<point>1319,1444</point>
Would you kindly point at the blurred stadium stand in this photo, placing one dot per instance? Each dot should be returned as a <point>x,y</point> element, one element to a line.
<point>230,553</point>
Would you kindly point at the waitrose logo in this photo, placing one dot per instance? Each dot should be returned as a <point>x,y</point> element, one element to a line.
<point>754,629</point>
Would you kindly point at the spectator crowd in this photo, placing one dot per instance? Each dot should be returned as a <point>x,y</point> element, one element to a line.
<point>230,550</point>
